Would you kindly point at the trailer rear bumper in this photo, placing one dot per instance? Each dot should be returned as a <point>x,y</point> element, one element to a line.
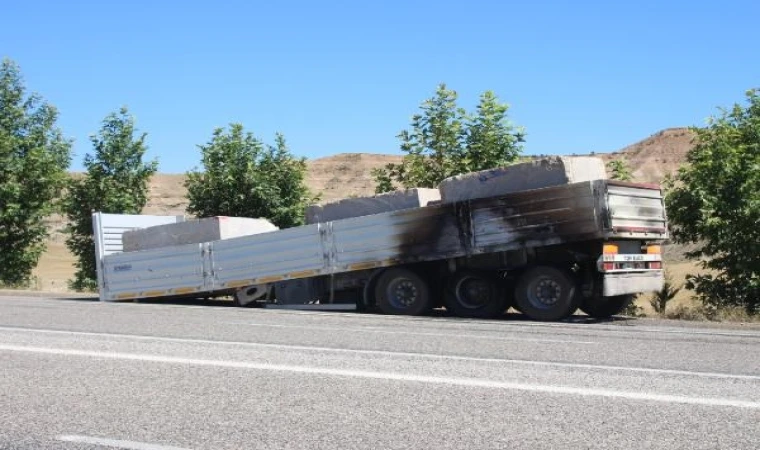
<point>632,282</point>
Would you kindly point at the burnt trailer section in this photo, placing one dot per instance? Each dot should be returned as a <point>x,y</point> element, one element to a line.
<point>547,252</point>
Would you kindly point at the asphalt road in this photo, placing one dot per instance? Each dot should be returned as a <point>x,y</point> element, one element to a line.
<point>88,375</point>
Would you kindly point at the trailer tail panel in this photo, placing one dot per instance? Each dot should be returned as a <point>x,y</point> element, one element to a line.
<point>107,232</point>
<point>632,282</point>
<point>636,209</point>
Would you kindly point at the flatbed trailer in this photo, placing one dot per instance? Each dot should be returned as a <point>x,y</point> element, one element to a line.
<point>546,252</point>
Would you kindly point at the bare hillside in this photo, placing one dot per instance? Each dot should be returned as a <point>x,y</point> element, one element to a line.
<point>349,174</point>
<point>344,175</point>
<point>658,155</point>
<point>333,178</point>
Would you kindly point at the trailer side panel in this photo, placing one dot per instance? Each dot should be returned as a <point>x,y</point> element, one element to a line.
<point>577,212</point>
<point>274,256</point>
<point>167,271</point>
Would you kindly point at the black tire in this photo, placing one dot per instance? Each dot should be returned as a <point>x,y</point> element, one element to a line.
<point>402,292</point>
<point>473,294</point>
<point>546,293</point>
<point>600,307</point>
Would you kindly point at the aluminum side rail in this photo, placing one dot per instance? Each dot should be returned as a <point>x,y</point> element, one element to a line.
<point>563,214</point>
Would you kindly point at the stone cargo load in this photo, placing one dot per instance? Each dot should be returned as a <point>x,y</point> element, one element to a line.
<point>544,172</point>
<point>193,232</point>
<point>365,206</point>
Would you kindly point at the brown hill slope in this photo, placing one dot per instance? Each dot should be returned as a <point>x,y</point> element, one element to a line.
<point>658,155</point>
<point>348,174</point>
<point>332,177</point>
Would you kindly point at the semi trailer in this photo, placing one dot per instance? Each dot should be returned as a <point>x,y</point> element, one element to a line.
<point>547,252</point>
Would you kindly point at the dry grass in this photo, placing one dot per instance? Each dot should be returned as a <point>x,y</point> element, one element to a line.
<point>700,313</point>
<point>686,312</point>
<point>56,267</point>
<point>685,307</point>
<point>678,271</point>
<point>734,314</point>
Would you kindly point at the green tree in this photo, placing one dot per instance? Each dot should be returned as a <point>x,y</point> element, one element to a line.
<point>714,202</point>
<point>34,158</point>
<point>243,177</point>
<point>620,170</point>
<point>116,181</point>
<point>444,140</point>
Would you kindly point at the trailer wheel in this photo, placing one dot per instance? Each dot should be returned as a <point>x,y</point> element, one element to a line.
<point>401,291</point>
<point>546,293</point>
<point>600,307</point>
<point>473,294</point>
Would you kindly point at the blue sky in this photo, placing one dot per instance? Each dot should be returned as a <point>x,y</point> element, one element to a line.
<point>339,77</point>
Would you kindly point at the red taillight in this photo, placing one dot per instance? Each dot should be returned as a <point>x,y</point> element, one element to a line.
<point>655,265</point>
<point>609,266</point>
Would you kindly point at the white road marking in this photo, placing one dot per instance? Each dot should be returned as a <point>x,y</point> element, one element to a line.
<point>392,354</point>
<point>415,333</point>
<point>116,443</point>
<point>390,376</point>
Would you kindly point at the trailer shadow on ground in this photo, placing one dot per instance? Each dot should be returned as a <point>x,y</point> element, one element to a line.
<point>516,316</point>
<point>512,316</point>
<point>224,302</point>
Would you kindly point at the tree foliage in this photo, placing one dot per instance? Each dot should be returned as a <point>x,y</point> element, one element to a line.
<point>116,181</point>
<point>620,170</point>
<point>714,202</point>
<point>445,140</point>
<point>34,157</point>
<point>243,177</point>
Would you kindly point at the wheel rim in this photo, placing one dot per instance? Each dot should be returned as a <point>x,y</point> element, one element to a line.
<point>544,292</point>
<point>402,293</point>
<point>473,292</point>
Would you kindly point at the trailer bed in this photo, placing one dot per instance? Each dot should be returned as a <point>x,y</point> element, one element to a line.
<point>571,213</point>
